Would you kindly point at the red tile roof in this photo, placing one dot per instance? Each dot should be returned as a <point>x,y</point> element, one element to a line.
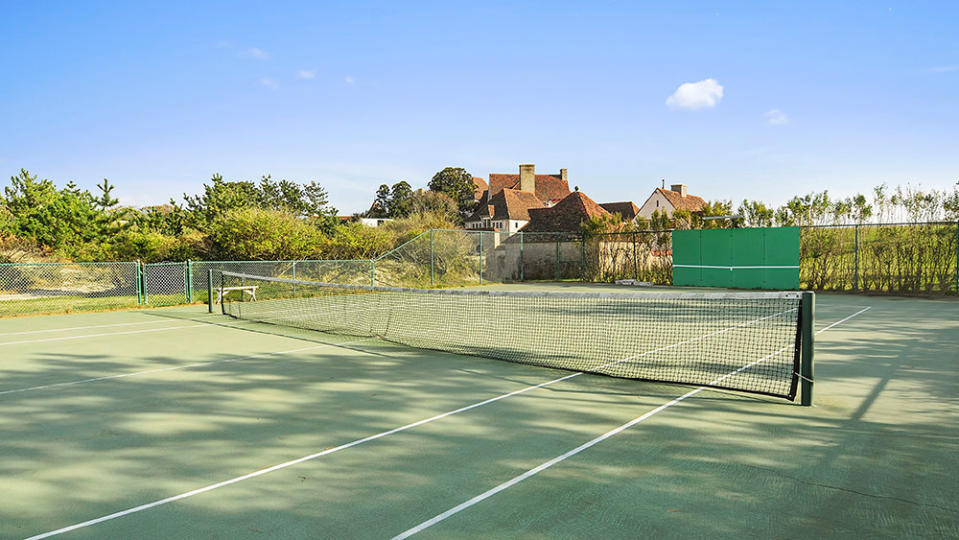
<point>548,187</point>
<point>565,216</point>
<point>689,202</point>
<point>626,209</point>
<point>514,204</point>
<point>479,188</point>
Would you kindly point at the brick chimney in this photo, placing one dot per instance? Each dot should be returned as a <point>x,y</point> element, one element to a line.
<point>679,188</point>
<point>527,178</point>
<point>562,174</point>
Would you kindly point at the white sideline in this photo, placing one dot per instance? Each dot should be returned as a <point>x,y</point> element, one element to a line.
<point>379,435</point>
<point>160,370</point>
<point>67,338</point>
<point>519,478</point>
<point>81,328</point>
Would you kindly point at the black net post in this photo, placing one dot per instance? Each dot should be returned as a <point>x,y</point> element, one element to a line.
<point>808,333</point>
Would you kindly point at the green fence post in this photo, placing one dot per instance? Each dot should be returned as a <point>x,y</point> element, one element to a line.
<point>432,264</point>
<point>957,257</point>
<point>635,259</point>
<point>481,257</point>
<point>807,345</point>
<point>522,261</point>
<point>139,284</point>
<point>557,259</point>
<point>209,289</point>
<point>855,272</point>
<point>372,272</point>
<point>188,278</point>
<point>294,278</point>
<point>143,282</point>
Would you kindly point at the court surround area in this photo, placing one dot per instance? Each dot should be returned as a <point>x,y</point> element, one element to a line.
<point>174,423</point>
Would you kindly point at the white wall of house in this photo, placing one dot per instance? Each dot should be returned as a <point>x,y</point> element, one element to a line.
<point>505,225</point>
<point>373,222</point>
<point>656,201</point>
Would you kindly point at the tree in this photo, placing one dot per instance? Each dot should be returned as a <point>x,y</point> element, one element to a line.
<point>756,214</point>
<point>433,202</point>
<point>401,195</point>
<point>458,184</point>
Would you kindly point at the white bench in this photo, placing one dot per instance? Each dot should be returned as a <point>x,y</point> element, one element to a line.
<point>222,292</point>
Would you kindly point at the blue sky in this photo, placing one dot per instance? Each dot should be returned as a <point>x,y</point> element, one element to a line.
<point>778,99</point>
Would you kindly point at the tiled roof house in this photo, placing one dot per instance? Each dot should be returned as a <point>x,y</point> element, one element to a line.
<point>670,200</point>
<point>565,216</point>
<point>505,203</point>
<point>479,188</point>
<point>627,210</point>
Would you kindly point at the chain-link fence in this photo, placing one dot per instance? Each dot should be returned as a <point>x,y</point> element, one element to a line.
<point>165,284</point>
<point>888,258</point>
<point>641,255</point>
<point>66,287</point>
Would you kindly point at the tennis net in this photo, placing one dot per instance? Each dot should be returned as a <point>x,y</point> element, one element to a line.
<point>740,341</point>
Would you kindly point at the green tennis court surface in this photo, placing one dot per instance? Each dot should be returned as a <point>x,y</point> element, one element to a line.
<point>175,423</point>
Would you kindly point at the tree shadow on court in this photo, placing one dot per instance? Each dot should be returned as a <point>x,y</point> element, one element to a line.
<point>874,456</point>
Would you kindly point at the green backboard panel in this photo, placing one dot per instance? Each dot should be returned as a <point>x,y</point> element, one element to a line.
<point>687,258</point>
<point>748,258</point>
<point>756,258</point>
<point>782,250</point>
<point>717,258</point>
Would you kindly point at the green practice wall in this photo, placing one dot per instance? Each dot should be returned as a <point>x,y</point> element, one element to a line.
<point>760,258</point>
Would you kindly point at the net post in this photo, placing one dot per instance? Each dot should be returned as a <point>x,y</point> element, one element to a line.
<point>139,284</point>
<point>188,281</point>
<point>855,274</point>
<point>806,371</point>
<point>209,289</point>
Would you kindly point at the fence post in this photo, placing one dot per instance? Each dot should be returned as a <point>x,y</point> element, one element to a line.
<point>139,284</point>
<point>855,272</point>
<point>481,257</point>
<point>432,264</point>
<point>582,257</point>
<point>522,261</point>
<point>293,270</point>
<point>635,259</point>
<point>209,290</point>
<point>957,257</point>
<point>372,272</point>
<point>188,281</point>
<point>806,371</point>
<point>143,282</point>
<point>557,259</point>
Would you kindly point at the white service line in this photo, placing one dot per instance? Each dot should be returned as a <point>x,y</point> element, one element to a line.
<point>519,478</point>
<point>67,338</point>
<point>81,328</point>
<point>356,442</point>
<point>160,370</point>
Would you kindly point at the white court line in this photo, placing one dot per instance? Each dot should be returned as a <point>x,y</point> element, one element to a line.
<point>519,478</point>
<point>356,442</point>
<point>160,370</point>
<point>81,328</point>
<point>67,338</point>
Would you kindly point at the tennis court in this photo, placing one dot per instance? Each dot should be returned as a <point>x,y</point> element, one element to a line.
<point>175,422</point>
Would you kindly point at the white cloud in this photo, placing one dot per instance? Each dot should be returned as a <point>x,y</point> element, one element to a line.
<point>348,79</point>
<point>256,54</point>
<point>305,74</point>
<point>704,94</point>
<point>944,69</point>
<point>775,117</point>
<point>269,83</point>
